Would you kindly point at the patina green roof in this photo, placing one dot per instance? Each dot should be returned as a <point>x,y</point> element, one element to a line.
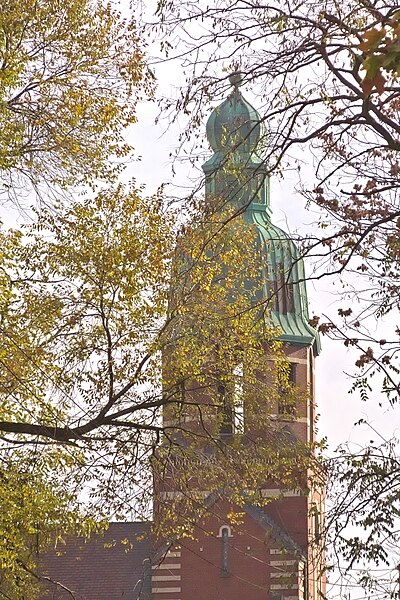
<point>284,280</point>
<point>234,128</point>
<point>236,172</point>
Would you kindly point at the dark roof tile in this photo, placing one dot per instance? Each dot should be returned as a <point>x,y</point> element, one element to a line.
<point>101,568</point>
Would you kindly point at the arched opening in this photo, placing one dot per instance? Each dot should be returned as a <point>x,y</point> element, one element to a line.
<point>225,533</point>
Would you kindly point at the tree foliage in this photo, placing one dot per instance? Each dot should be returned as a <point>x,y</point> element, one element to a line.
<point>38,507</point>
<point>83,293</point>
<point>83,326</point>
<point>86,311</point>
<point>380,47</point>
<point>223,371</point>
<point>70,75</point>
<point>308,63</point>
<point>362,523</point>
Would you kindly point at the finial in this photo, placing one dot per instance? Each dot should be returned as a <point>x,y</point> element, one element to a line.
<point>236,79</point>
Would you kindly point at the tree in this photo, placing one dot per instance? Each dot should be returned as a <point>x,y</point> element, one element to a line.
<point>81,298</point>
<point>38,507</point>
<point>70,76</point>
<point>326,75</point>
<point>365,490</point>
<point>83,325</point>
<point>224,371</point>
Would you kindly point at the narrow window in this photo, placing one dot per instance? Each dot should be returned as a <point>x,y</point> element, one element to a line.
<point>182,390</point>
<point>182,414</point>
<point>286,405</point>
<point>182,397</point>
<point>225,534</point>
<point>292,372</point>
<point>311,401</point>
<point>316,525</point>
<point>238,417</point>
<point>283,291</point>
<point>303,579</point>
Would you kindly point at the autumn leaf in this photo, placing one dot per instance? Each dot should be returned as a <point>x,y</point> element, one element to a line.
<point>378,82</point>
<point>372,39</point>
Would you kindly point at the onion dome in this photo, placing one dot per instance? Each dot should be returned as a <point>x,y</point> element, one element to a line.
<point>234,130</point>
<point>234,124</point>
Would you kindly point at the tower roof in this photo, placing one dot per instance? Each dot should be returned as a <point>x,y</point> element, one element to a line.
<point>234,130</point>
<point>284,282</point>
<point>234,124</point>
<point>238,175</point>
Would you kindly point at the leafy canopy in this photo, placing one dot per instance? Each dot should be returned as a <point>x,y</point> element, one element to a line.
<point>84,330</point>
<point>82,298</point>
<point>38,507</point>
<point>325,74</point>
<point>71,72</point>
<point>223,373</point>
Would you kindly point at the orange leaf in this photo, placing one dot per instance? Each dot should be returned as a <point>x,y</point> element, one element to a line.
<point>371,39</point>
<point>369,83</point>
<point>379,82</point>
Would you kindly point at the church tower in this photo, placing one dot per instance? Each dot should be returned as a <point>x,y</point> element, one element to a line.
<point>274,551</point>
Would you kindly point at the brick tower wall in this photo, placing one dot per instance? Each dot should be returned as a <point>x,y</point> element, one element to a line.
<point>270,554</point>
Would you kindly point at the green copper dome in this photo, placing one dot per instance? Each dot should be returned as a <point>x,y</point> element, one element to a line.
<point>234,125</point>
<point>234,130</point>
<point>236,174</point>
